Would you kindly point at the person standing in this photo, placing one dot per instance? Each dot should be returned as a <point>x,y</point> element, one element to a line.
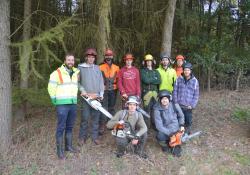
<point>91,86</point>
<point>150,80</point>
<point>63,89</point>
<point>179,65</point>
<point>110,75</point>
<point>186,94</point>
<point>129,80</point>
<point>167,73</point>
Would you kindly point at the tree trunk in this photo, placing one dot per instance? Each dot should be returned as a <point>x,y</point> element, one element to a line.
<point>25,59</point>
<point>218,35</point>
<point>5,78</point>
<point>209,79</point>
<point>238,80</point>
<point>103,28</point>
<point>168,26</point>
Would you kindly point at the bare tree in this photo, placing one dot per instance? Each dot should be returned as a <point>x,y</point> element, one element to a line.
<point>5,77</point>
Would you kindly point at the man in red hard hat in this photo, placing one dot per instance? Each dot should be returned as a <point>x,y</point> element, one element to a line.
<point>129,79</point>
<point>91,85</point>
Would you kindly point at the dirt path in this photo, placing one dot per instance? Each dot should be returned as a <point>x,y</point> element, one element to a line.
<point>223,148</point>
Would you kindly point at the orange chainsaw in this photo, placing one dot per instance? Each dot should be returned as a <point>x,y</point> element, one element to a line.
<point>180,137</point>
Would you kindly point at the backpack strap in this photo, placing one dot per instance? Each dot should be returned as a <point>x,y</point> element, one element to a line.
<point>60,75</point>
<point>124,113</point>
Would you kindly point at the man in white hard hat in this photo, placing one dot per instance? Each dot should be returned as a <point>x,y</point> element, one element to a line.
<point>132,121</point>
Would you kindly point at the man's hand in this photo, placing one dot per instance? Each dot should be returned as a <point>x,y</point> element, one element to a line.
<point>93,96</point>
<point>189,107</point>
<point>135,142</point>
<point>125,96</point>
<point>84,94</point>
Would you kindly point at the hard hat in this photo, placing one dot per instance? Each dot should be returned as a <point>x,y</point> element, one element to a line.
<point>179,57</point>
<point>165,93</point>
<point>91,51</point>
<point>132,99</point>
<point>109,52</point>
<point>188,65</point>
<point>128,56</point>
<point>148,57</point>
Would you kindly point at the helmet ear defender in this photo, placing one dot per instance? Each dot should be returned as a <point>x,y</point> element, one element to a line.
<point>144,62</point>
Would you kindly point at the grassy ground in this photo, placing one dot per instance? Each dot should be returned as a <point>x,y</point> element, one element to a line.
<point>223,148</point>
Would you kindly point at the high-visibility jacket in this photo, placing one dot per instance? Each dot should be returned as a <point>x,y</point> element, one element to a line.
<point>110,75</point>
<point>62,87</point>
<point>168,77</point>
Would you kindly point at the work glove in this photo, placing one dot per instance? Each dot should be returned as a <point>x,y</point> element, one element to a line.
<point>121,122</point>
<point>182,129</point>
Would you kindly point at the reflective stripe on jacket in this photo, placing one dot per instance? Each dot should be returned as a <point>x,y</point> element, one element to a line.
<point>110,75</point>
<point>63,90</point>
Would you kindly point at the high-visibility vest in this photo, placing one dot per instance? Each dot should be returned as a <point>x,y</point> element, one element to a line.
<point>110,75</point>
<point>62,87</point>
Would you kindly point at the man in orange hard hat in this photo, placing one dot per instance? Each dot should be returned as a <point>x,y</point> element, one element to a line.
<point>179,63</point>
<point>129,79</point>
<point>110,76</point>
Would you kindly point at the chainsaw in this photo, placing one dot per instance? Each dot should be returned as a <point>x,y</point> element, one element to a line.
<point>123,130</point>
<point>97,106</point>
<point>181,137</point>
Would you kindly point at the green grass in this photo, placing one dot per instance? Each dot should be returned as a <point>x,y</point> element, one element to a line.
<point>21,171</point>
<point>241,114</point>
<point>241,159</point>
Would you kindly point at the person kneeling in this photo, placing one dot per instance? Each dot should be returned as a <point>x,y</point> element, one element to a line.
<point>168,123</point>
<point>129,126</point>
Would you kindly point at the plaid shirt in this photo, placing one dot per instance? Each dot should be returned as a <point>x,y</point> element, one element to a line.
<point>186,92</point>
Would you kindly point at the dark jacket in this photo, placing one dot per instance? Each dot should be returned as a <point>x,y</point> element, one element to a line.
<point>150,79</point>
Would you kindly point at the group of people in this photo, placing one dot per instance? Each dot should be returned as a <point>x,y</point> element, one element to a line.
<point>168,95</point>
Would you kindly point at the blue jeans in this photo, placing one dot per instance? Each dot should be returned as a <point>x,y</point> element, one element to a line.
<point>188,116</point>
<point>109,101</point>
<point>66,115</point>
<point>162,137</point>
<point>87,113</point>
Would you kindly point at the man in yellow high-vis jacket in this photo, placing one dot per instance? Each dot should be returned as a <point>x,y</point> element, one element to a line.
<point>167,73</point>
<point>63,89</point>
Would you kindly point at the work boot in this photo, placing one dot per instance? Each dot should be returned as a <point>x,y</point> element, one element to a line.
<point>139,150</point>
<point>59,148</point>
<point>120,151</point>
<point>165,149</point>
<point>188,130</point>
<point>141,154</point>
<point>176,151</point>
<point>119,154</point>
<point>68,143</point>
<point>97,141</point>
<point>102,129</point>
<point>82,141</point>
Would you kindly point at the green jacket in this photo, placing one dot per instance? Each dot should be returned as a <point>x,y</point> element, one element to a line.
<point>150,79</point>
<point>168,78</point>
